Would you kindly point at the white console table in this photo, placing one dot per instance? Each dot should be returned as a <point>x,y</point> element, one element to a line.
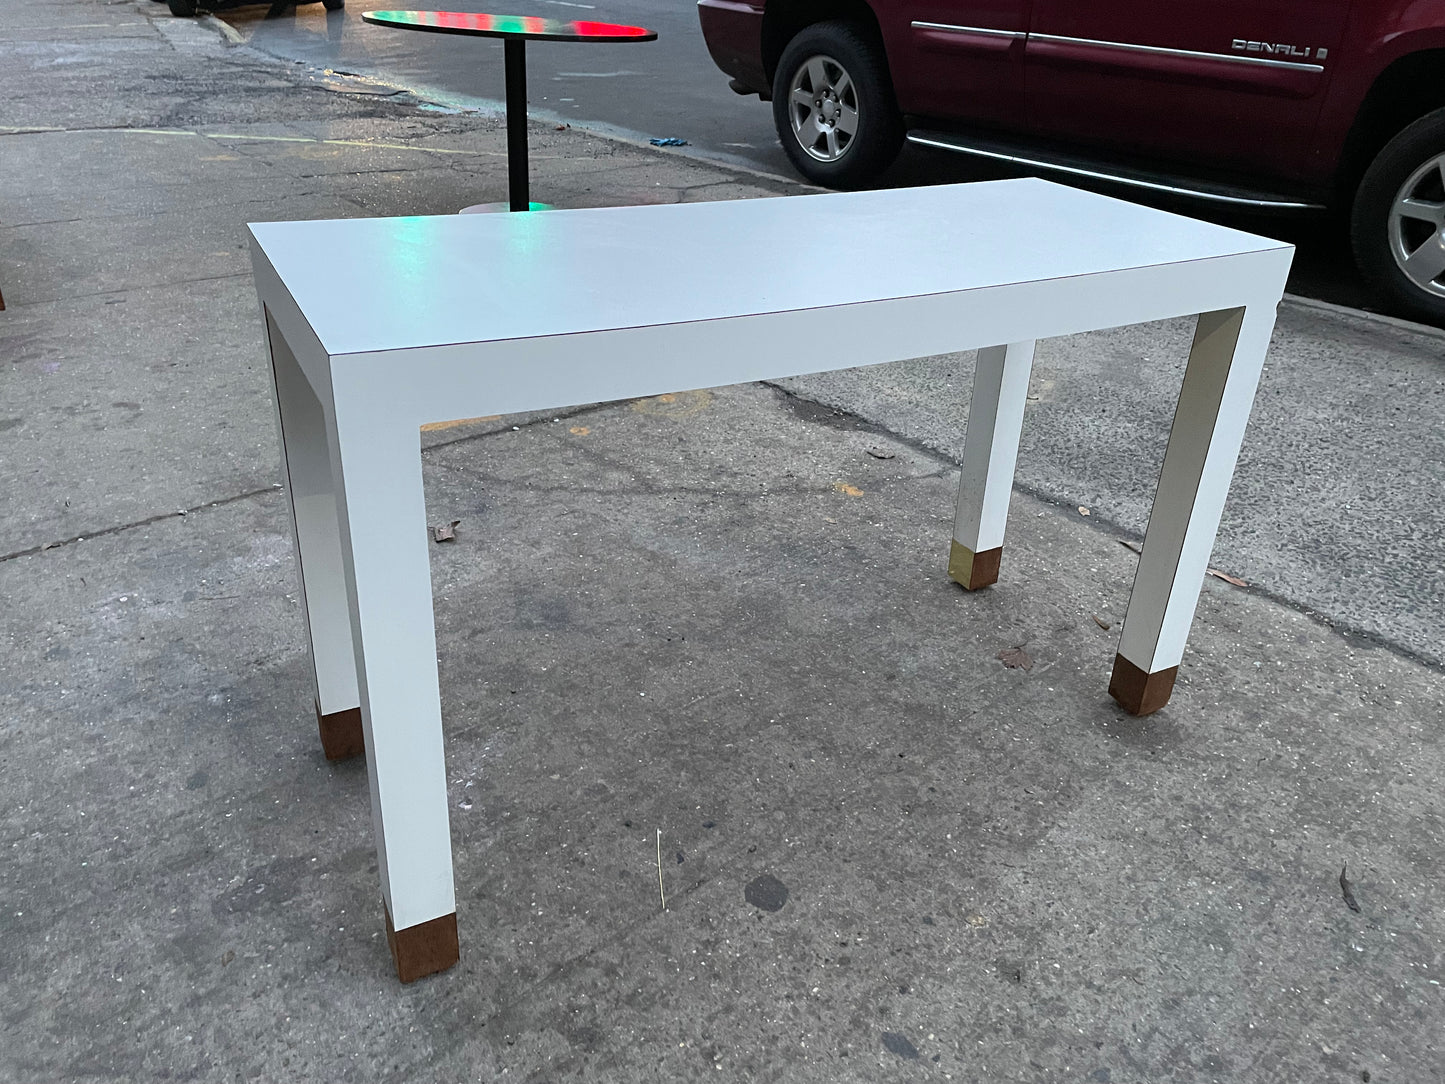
<point>378,326</point>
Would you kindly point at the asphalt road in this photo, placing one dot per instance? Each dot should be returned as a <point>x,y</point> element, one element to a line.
<point>666,88</point>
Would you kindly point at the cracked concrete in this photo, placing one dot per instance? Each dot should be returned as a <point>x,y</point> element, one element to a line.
<point>715,614</point>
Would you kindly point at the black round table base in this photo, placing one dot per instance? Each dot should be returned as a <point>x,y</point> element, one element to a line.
<point>515,31</point>
<point>501,205</point>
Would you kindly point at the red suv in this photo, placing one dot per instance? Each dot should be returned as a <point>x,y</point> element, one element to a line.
<point>1259,103</point>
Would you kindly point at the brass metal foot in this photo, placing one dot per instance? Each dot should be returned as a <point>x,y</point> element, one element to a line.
<point>423,949</point>
<point>973,570</point>
<point>341,734</point>
<point>1139,693</point>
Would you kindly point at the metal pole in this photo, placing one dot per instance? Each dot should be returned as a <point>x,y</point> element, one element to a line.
<point>516,60</point>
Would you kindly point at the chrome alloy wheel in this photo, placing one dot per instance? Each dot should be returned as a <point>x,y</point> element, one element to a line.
<point>1417,227</point>
<point>823,108</point>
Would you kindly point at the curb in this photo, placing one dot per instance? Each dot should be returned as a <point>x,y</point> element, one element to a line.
<point>225,29</point>
<point>1396,322</point>
<point>597,129</point>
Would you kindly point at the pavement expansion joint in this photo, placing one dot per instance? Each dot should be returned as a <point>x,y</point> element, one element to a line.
<point>859,424</point>
<point>35,303</point>
<point>273,489</point>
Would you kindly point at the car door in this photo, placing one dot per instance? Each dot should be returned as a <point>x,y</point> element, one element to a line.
<point>1230,83</point>
<point>961,59</point>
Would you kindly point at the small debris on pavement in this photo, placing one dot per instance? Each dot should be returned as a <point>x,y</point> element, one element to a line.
<point>669,141</point>
<point>898,1044</point>
<point>1015,658</point>
<point>1128,545</point>
<point>879,453</point>
<point>1083,511</point>
<point>562,128</point>
<point>766,892</point>
<point>1226,577</point>
<point>1105,625</point>
<point>447,532</point>
<point>1348,888</point>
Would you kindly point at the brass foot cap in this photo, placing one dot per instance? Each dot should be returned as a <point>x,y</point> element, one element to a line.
<point>973,570</point>
<point>423,949</point>
<point>341,735</point>
<point>1139,693</point>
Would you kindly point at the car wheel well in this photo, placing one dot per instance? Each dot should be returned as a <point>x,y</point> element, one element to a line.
<point>782,21</point>
<point>1404,92</point>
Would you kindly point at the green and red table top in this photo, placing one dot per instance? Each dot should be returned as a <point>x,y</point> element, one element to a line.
<point>525,27</point>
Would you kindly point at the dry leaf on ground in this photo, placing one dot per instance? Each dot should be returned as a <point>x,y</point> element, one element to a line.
<point>447,532</point>
<point>1226,577</point>
<point>1015,658</point>
<point>1347,887</point>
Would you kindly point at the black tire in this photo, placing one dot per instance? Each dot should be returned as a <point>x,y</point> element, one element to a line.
<point>854,73</point>
<point>182,8</point>
<point>333,5</point>
<point>1411,165</point>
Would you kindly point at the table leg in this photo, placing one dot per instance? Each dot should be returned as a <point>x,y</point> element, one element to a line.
<point>312,497</point>
<point>518,184</point>
<point>1219,385</point>
<point>990,451</point>
<point>388,578</point>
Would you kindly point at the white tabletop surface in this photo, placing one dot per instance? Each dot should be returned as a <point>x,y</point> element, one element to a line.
<point>394,283</point>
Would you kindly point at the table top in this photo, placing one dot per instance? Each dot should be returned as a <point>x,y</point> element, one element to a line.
<point>374,284</point>
<point>508,26</point>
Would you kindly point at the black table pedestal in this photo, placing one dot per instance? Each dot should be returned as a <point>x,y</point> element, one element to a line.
<point>519,189</point>
<point>514,30</point>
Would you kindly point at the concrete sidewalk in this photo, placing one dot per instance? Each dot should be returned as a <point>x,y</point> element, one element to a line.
<point>720,615</point>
